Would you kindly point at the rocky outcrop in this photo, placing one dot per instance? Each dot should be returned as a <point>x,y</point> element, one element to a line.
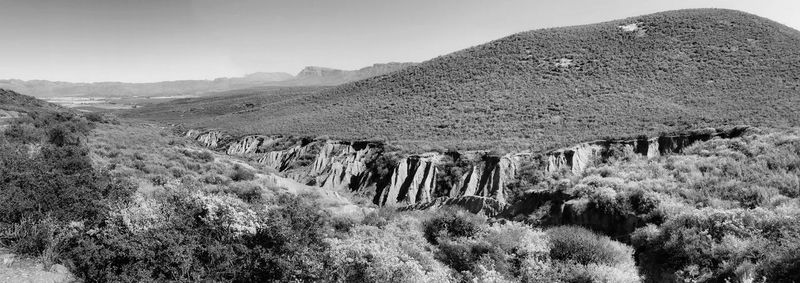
<point>577,158</point>
<point>344,165</point>
<point>419,179</point>
<point>248,144</point>
<point>211,139</point>
<point>192,134</point>
<point>488,178</point>
<point>282,159</point>
<point>413,180</point>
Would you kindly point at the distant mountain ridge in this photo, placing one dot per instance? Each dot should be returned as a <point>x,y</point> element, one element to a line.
<point>314,75</point>
<point>310,76</point>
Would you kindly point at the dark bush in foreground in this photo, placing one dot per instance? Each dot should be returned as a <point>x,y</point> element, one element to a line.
<point>242,174</point>
<point>56,180</point>
<point>452,223</point>
<point>572,243</point>
<point>289,248</point>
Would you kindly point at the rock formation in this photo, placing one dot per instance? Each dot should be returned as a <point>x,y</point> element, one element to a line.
<point>282,159</point>
<point>212,139</point>
<point>413,180</point>
<point>192,134</point>
<point>344,166</point>
<point>577,158</point>
<point>418,179</point>
<point>488,178</point>
<point>248,144</point>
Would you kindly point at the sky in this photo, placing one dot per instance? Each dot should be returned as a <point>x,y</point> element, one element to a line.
<point>159,40</point>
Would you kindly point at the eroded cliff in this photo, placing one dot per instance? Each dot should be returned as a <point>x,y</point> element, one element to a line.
<point>577,158</point>
<point>396,179</point>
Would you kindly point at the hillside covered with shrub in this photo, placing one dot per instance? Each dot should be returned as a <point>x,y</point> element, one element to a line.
<point>115,201</point>
<point>662,72</point>
<point>724,210</point>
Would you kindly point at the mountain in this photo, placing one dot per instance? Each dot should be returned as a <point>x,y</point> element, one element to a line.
<point>645,75</point>
<point>265,77</point>
<point>310,76</point>
<point>313,75</point>
<point>43,88</point>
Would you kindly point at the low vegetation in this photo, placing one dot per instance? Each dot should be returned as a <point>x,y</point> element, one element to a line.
<point>121,201</point>
<point>724,210</point>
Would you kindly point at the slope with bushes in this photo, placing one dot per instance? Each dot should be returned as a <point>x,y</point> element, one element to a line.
<point>723,210</point>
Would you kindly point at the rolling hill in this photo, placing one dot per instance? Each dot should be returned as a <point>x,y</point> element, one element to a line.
<point>541,89</point>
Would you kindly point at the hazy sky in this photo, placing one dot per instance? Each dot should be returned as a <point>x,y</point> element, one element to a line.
<point>155,40</point>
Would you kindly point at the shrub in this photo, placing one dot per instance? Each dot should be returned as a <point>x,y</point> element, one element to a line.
<point>216,179</point>
<point>572,243</point>
<point>202,155</point>
<point>643,202</point>
<point>719,244</point>
<point>242,174</point>
<point>290,247</point>
<point>247,192</point>
<point>57,183</point>
<point>452,222</point>
<point>23,133</point>
<point>33,237</point>
<point>94,117</point>
<point>397,252</point>
<point>159,180</point>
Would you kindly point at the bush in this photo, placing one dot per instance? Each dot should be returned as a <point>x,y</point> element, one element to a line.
<point>215,179</point>
<point>94,117</point>
<point>397,252</point>
<point>56,183</point>
<point>242,174</point>
<point>717,244</point>
<point>33,237</point>
<point>247,192</point>
<point>159,180</point>
<point>572,243</point>
<point>22,133</point>
<point>452,222</point>
<point>202,238</point>
<point>291,246</point>
<point>202,155</point>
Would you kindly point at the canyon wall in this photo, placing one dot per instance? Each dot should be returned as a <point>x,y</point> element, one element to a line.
<point>248,144</point>
<point>577,158</point>
<point>212,139</point>
<point>394,179</point>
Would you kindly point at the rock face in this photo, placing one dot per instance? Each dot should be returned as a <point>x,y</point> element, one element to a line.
<point>577,158</point>
<point>280,160</point>
<point>488,178</point>
<point>192,134</point>
<point>344,165</point>
<point>412,180</point>
<point>247,144</point>
<point>212,139</point>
